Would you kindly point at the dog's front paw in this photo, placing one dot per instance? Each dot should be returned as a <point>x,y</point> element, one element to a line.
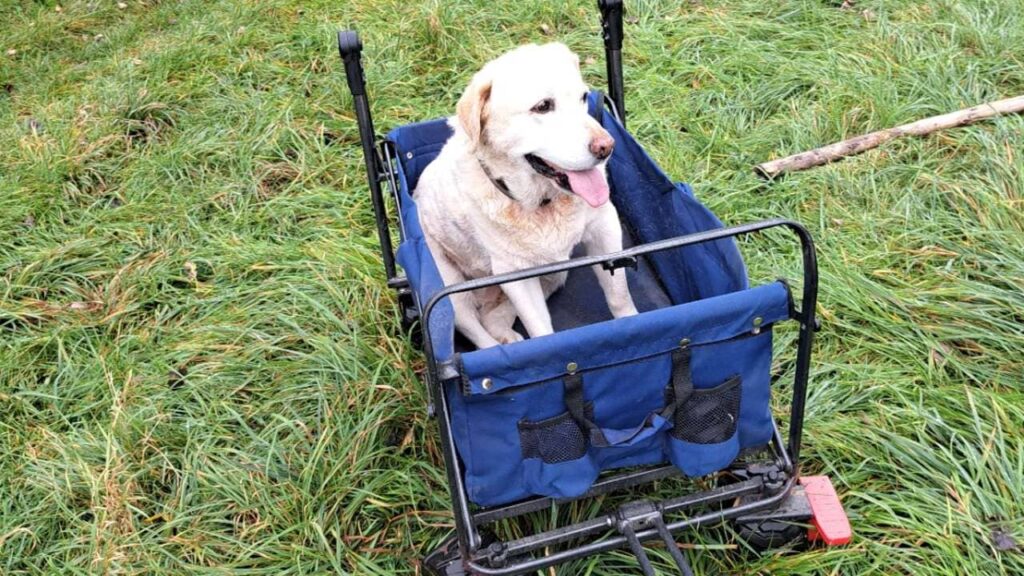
<point>510,336</point>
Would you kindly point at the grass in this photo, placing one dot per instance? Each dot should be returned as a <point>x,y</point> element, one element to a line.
<point>200,366</point>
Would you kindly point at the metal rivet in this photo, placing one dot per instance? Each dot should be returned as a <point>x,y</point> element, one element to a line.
<point>571,367</point>
<point>757,325</point>
<point>408,155</point>
<point>486,383</point>
<point>684,342</point>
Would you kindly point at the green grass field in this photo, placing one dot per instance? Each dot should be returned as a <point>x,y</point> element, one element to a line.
<point>201,370</point>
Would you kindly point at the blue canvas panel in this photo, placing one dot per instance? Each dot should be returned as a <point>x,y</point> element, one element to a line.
<point>626,369</point>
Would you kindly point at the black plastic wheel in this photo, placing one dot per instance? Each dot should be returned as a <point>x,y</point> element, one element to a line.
<point>782,526</point>
<point>770,534</point>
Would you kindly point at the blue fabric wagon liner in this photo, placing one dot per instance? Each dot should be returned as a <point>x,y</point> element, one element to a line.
<point>509,414</point>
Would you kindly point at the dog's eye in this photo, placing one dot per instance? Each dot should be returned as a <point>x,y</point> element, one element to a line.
<point>584,98</point>
<point>544,106</point>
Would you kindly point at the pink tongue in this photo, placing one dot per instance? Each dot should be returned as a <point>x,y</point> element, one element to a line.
<point>590,185</point>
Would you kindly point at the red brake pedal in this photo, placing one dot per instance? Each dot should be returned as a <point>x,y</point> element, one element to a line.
<point>829,522</point>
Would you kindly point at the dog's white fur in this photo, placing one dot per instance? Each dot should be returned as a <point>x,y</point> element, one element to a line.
<point>474,230</point>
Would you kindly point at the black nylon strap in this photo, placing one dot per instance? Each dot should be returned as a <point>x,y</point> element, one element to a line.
<point>577,408</point>
<point>682,381</point>
<point>682,389</point>
<point>498,182</point>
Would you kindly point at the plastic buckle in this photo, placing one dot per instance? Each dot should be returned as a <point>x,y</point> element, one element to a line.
<point>829,523</point>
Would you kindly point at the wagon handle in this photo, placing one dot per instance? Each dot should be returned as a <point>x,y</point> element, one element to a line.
<point>611,27</point>
<point>351,47</point>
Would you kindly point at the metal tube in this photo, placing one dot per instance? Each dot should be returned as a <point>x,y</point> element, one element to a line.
<point>350,48</point>
<point>469,537</point>
<point>643,249</point>
<point>611,26</point>
<point>615,88</point>
<point>638,550</point>
<point>601,487</point>
<point>602,523</point>
<point>808,323</point>
<point>618,541</point>
<point>673,549</point>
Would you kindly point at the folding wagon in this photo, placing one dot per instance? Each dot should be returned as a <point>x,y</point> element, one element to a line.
<point>604,408</point>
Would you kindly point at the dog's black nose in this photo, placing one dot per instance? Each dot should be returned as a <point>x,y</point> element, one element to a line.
<point>602,146</point>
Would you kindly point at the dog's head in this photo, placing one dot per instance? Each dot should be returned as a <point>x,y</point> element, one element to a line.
<point>529,108</point>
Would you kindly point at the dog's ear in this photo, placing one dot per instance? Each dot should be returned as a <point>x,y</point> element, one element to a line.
<point>472,107</point>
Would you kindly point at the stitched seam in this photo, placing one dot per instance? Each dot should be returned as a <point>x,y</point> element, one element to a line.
<point>533,378</point>
<point>767,328</point>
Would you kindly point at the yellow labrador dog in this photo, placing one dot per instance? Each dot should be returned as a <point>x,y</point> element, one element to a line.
<point>520,183</point>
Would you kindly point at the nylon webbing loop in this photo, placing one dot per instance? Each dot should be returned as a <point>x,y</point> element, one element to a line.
<point>682,389</point>
<point>576,404</point>
<point>682,381</point>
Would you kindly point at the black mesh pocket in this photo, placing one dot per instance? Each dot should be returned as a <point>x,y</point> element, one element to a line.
<point>557,439</point>
<point>709,416</point>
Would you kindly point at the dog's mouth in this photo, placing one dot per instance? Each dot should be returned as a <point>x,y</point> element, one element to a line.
<point>591,185</point>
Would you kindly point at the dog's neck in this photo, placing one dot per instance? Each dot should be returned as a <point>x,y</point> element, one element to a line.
<point>499,183</point>
<point>501,186</point>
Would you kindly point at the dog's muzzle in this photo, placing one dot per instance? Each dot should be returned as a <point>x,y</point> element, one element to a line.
<point>545,169</point>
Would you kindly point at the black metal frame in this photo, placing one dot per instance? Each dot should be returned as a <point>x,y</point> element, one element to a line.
<point>766,487</point>
<point>611,31</point>
<point>786,472</point>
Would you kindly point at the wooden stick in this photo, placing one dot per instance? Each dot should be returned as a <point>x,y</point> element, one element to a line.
<point>856,145</point>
